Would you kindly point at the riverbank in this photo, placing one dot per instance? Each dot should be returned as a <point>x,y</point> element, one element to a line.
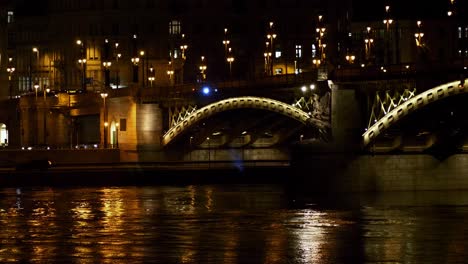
<point>120,174</point>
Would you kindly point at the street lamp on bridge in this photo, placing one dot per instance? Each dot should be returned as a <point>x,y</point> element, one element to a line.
<point>151,75</point>
<point>203,68</point>
<point>104,96</point>
<point>10,71</point>
<point>230,60</point>
<point>419,35</point>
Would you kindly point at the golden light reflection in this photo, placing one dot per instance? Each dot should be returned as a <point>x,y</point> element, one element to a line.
<point>114,206</point>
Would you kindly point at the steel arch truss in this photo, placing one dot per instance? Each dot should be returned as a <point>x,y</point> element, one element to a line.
<point>180,114</point>
<point>411,105</point>
<point>238,103</point>
<point>386,101</point>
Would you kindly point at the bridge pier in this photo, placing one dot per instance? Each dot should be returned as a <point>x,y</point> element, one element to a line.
<point>346,118</point>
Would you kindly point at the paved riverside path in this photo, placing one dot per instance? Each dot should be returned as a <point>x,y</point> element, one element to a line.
<point>147,173</point>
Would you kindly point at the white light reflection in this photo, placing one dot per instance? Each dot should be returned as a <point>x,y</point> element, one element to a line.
<point>312,228</point>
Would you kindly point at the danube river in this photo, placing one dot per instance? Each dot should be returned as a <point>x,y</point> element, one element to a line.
<point>230,224</point>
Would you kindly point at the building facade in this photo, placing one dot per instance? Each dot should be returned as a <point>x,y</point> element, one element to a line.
<point>79,46</point>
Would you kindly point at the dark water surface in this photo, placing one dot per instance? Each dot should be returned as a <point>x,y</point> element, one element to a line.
<point>230,224</point>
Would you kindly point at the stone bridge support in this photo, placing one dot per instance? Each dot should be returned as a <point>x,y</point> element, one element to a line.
<point>346,118</point>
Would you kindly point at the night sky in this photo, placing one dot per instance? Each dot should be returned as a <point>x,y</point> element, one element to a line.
<point>409,9</point>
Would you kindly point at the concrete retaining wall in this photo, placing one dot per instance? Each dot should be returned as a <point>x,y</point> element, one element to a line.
<point>383,172</point>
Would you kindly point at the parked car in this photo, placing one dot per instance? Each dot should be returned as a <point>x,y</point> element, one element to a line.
<point>37,164</point>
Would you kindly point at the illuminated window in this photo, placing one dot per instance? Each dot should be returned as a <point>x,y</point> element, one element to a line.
<point>277,54</point>
<point>298,51</point>
<point>459,32</point>
<point>174,27</point>
<point>10,17</point>
<point>314,51</point>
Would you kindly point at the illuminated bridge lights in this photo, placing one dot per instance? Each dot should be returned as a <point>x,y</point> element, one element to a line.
<point>239,103</point>
<point>411,105</point>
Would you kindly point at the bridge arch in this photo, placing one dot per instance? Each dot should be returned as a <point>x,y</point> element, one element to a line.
<point>413,104</point>
<point>238,103</point>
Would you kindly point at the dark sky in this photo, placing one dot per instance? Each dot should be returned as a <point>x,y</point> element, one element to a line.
<point>400,9</point>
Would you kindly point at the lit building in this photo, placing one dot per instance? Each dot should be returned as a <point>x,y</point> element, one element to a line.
<point>94,46</point>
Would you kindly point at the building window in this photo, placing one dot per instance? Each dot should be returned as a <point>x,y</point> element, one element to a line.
<point>314,51</point>
<point>278,54</point>
<point>10,17</point>
<point>459,32</point>
<point>298,51</point>
<point>123,124</point>
<point>174,27</point>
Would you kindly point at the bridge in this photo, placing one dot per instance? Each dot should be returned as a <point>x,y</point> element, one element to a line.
<point>356,110</point>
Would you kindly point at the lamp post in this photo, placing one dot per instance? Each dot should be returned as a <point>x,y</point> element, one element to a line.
<point>387,21</point>
<point>151,75</point>
<point>419,35</point>
<point>36,87</point>
<point>117,135</point>
<point>135,61</point>
<point>106,65</point>
<point>104,96</point>
<point>82,62</point>
<point>46,134</point>
<point>203,68</point>
<point>170,73</point>
<point>142,55</point>
<point>230,60</point>
<point>271,36</point>
<point>368,42</point>
<point>117,57</point>
<point>209,152</point>
<point>10,71</point>
<point>320,37</point>
<point>226,42</point>
<point>350,58</point>
<point>316,62</point>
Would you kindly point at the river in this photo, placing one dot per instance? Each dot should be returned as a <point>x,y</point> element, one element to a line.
<point>239,223</point>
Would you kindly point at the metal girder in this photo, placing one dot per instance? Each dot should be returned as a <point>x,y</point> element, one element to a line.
<point>408,106</point>
<point>238,103</point>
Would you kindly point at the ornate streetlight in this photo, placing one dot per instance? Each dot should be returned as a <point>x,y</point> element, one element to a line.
<point>202,68</point>
<point>230,60</point>
<point>10,71</point>
<point>142,55</point>
<point>151,75</point>
<point>226,42</point>
<point>117,57</point>
<point>271,36</point>
<point>321,37</point>
<point>387,21</point>
<point>350,58</point>
<point>419,35</point>
<point>36,88</point>
<point>82,62</point>
<point>106,65</point>
<point>368,42</point>
<point>104,96</point>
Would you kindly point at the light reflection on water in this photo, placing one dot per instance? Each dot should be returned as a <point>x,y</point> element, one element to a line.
<point>229,224</point>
